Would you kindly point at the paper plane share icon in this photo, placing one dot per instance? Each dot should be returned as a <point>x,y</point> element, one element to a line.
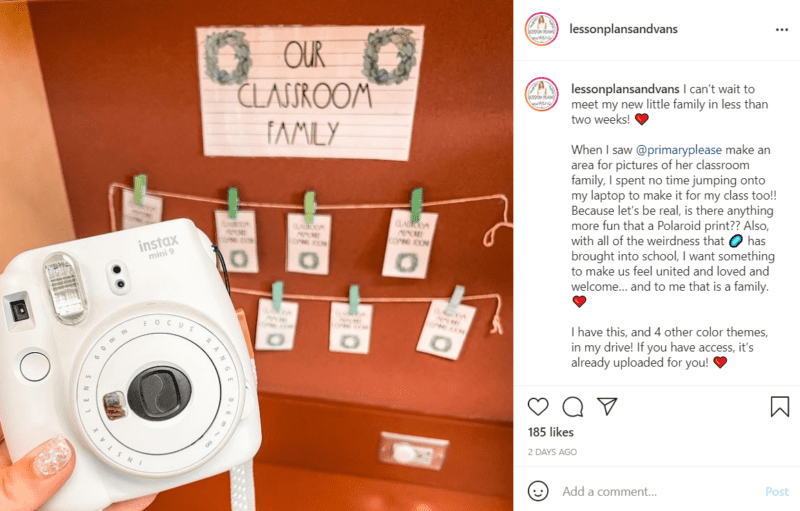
<point>608,403</point>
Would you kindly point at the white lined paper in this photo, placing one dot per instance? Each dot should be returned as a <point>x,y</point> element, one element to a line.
<point>328,110</point>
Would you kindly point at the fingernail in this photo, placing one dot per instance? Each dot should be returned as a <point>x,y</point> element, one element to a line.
<point>54,456</point>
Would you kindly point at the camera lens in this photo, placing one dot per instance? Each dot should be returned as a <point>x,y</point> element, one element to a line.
<point>159,393</point>
<point>120,284</point>
<point>116,269</point>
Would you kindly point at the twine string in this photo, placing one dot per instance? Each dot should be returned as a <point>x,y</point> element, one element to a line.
<point>488,238</point>
<point>497,326</point>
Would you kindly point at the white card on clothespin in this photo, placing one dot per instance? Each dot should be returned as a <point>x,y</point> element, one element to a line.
<point>134,215</point>
<point>308,245</point>
<point>444,335</point>
<point>236,239</point>
<point>408,248</point>
<point>350,333</point>
<point>275,329</point>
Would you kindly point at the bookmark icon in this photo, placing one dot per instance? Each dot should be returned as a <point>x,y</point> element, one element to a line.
<point>780,404</point>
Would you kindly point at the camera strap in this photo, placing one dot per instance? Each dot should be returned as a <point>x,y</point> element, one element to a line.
<point>243,485</point>
<point>243,489</point>
<point>223,267</point>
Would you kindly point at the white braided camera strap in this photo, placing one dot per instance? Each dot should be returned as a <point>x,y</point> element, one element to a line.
<point>243,485</point>
<point>243,491</point>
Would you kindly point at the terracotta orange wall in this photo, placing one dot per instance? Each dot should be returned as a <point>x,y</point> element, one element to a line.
<point>122,83</point>
<point>339,438</point>
<point>292,489</point>
<point>33,201</point>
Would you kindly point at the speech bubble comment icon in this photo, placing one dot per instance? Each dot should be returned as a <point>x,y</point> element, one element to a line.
<point>573,407</point>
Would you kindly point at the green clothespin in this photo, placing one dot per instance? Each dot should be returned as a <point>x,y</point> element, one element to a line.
<point>139,188</point>
<point>455,301</point>
<point>310,206</point>
<point>416,205</point>
<point>233,202</point>
<point>354,299</point>
<point>277,294</point>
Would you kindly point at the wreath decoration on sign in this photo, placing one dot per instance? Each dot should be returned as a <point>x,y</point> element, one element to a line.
<point>445,345</point>
<point>402,267</point>
<point>276,339</point>
<point>307,264</point>
<point>235,39</point>
<point>400,37</point>
<point>350,342</point>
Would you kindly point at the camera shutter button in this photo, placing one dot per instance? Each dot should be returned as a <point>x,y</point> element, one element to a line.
<point>34,366</point>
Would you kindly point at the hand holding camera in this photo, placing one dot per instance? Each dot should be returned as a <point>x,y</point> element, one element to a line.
<point>126,344</point>
<point>41,473</point>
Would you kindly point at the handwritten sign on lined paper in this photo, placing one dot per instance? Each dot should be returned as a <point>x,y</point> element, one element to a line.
<point>316,92</point>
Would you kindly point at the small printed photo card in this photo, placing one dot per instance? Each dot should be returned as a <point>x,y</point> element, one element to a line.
<point>134,215</point>
<point>408,248</point>
<point>444,335</point>
<point>308,246</point>
<point>275,329</point>
<point>236,239</point>
<point>350,333</point>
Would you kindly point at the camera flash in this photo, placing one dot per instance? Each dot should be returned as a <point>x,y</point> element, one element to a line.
<point>63,279</point>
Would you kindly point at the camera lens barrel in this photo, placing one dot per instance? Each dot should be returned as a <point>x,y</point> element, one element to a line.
<point>159,393</point>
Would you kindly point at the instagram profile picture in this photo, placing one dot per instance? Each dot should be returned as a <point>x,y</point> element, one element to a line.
<point>541,29</point>
<point>541,94</point>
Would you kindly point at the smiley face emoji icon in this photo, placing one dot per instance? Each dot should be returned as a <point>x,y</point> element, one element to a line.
<point>538,491</point>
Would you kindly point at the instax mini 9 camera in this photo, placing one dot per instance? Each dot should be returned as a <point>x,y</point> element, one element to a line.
<point>128,345</point>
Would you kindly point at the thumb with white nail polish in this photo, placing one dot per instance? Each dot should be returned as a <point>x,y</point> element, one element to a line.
<point>35,478</point>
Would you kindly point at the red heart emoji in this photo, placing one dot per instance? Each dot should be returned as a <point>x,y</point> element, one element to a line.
<point>642,118</point>
<point>579,300</point>
<point>720,361</point>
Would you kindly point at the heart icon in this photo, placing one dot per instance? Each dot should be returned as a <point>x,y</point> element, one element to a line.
<point>642,118</point>
<point>720,361</point>
<point>579,300</point>
<point>538,405</point>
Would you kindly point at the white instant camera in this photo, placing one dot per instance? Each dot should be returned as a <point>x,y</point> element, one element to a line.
<point>129,346</point>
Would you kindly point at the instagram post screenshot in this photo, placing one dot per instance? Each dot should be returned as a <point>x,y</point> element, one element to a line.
<point>654,146</point>
<point>256,255</point>
<point>399,257</point>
